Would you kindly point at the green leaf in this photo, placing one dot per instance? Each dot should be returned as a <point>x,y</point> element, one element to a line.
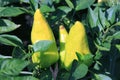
<point>46,2</point>
<point>11,11</point>
<point>97,65</point>
<point>42,45</point>
<point>65,9</point>
<point>98,55</point>
<point>45,75</point>
<point>112,14</point>
<point>10,40</point>
<point>113,37</point>
<point>69,3</point>
<point>83,4</point>
<point>92,18</point>
<point>116,24</point>
<point>100,47</point>
<point>101,28</point>
<point>86,59</point>
<point>106,44</point>
<point>61,12</point>
<point>12,66</point>
<point>103,19</point>
<point>102,77</point>
<point>6,2</point>
<point>96,11</point>
<point>7,26</point>
<point>79,56</point>
<point>116,35</point>
<point>57,1</point>
<point>118,46</point>
<point>34,4</point>
<point>18,51</point>
<point>46,8</point>
<point>18,78</point>
<point>24,1</point>
<point>79,72</point>
<point>63,75</point>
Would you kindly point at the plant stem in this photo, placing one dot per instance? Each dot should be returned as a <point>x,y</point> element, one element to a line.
<point>55,71</point>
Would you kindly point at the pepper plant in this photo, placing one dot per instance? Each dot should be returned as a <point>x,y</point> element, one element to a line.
<point>100,18</point>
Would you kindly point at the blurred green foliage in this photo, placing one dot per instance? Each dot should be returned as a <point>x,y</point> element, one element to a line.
<point>102,23</point>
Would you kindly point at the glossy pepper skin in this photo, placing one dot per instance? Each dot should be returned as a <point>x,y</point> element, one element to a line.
<point>42,31</point>
<point>62,36</point>
<point>76,42</point>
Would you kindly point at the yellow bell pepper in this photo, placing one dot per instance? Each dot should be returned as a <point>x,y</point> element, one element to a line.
<point>62,36</point>
<point>76,42</point>
<point>42,31</point>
